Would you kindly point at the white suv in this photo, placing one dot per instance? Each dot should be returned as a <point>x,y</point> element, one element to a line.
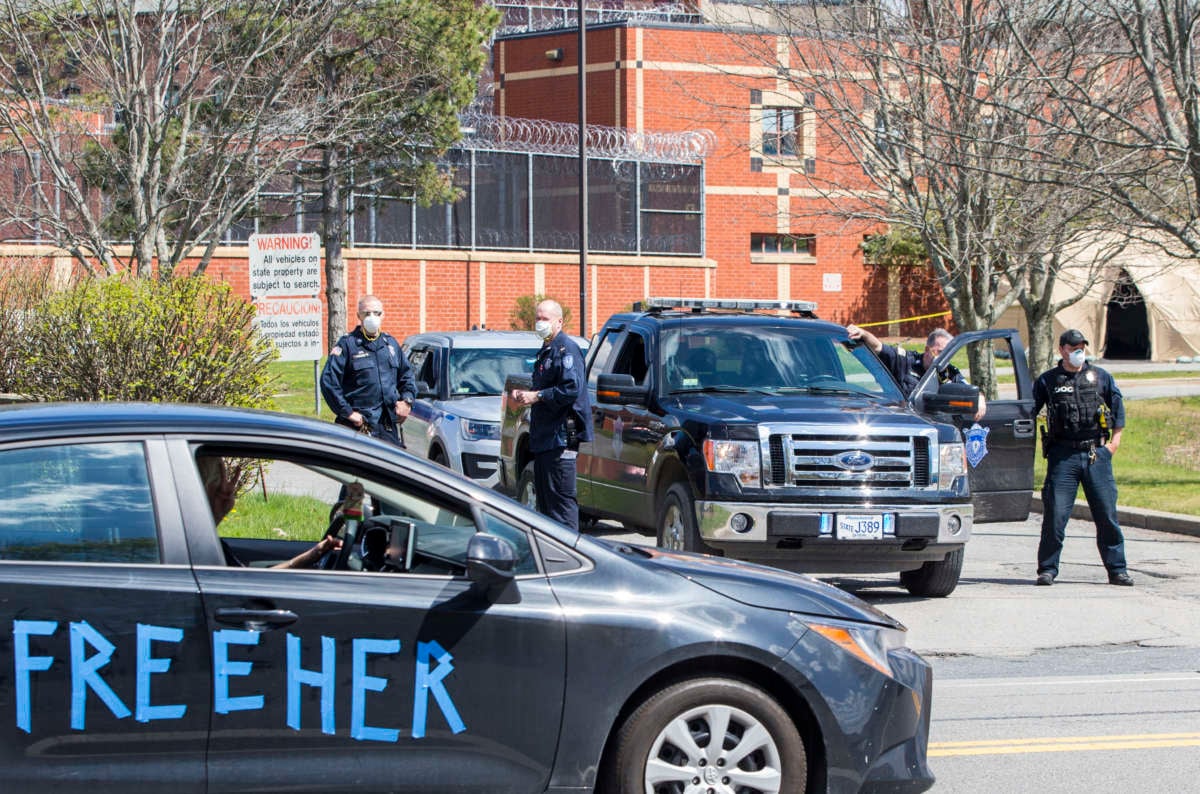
<point>455,420</point>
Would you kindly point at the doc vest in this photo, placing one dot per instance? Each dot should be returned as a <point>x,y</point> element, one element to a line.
<point>558,377</point>
<point>1080,405</point>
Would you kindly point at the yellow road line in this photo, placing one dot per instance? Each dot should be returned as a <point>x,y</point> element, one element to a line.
<point>1063,744</point>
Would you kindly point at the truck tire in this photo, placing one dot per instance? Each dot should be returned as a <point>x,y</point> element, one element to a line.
<point>935,579</point>
<point>526,491</point>
<point>676,525</point>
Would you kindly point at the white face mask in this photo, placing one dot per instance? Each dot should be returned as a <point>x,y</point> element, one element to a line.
<point>1077,357</point>
<point>371,324</point>
<point>544,328</point>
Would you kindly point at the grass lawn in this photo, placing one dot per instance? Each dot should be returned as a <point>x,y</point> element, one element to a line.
<point>296,388</point>
<point>279,517</point>
<point>1158,464</point>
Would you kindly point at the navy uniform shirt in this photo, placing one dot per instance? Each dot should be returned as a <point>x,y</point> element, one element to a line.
<point>558,377</point>
<point>907,367</point>
<point>368,376</point>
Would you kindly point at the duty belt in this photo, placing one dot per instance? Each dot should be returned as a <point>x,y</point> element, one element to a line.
<point>1087,443</point>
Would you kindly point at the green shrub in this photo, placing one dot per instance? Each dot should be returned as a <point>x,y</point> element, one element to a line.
<point>524,314</point>
<point>117,338</point>
<point>22,288</point>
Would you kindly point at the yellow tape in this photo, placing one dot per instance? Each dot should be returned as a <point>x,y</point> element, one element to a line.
<point>904,320</point>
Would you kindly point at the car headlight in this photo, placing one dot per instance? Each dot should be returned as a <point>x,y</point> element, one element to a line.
<point>953,460</point>
<point>474,430</point>
<point>869,644</point>
<point>739,458</point>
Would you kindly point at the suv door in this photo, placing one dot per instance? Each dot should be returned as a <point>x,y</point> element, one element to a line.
<point>1000,446</point>
<point>420,422</point>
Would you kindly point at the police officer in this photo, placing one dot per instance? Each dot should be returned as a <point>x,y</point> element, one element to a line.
<point>907,366</point>
<point>367,382</point>
<point>1086,416</point>
<point>560,417</point>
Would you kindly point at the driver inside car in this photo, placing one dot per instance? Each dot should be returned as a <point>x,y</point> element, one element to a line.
<point>221,481</point>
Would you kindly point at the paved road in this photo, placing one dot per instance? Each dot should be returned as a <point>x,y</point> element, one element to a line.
<point>1079,687</point>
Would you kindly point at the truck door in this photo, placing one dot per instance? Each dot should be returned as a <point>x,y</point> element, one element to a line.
<point>1000,446</point>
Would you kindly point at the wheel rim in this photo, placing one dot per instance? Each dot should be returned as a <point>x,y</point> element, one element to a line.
<point>529,496</point>
<point>673,529</point>
<point>718,748</point>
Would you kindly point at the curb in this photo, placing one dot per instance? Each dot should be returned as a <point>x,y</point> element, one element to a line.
<point>1141,518</point>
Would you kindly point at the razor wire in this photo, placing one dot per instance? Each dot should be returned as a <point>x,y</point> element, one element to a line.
<point>538,136</point>
<point>517,17</point>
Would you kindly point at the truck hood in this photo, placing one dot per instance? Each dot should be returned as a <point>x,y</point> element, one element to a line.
<point>767,588</point>
<point>825,408</point>
<point>485,408</point>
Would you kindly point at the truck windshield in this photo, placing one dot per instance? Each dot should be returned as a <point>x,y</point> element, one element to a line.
<point>781,359</point>
<point>481,371</point>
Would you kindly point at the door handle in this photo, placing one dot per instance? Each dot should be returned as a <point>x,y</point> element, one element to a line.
<point>1023,428</point>
<point>257,619</point>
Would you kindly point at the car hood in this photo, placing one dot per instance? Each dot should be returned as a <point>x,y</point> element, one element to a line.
<point>768,588</point>
<point>752,407</point>
<point>485,408</point>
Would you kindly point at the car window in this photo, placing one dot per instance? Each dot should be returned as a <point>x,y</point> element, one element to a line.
<point>631,359</point>
<point>269,512</point>
<point>77,503</point>
<point>516,537</point>
<point>422,361</point>
<point>482,371</point>
<point>599,358</point>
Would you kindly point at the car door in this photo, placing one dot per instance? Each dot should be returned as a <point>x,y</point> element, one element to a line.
<point>105,685</point>
<point>1000,446</point>
<point>420,424</point>
<point>365,680</point>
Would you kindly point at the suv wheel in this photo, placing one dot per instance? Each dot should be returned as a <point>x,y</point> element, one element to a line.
<point>935,579</point>
<point>676,524</point>
<point>526,492</point>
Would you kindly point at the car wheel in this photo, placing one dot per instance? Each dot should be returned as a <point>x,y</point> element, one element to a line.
<point>526,492</point>
<point>677,521</point>
<point>439,457</point>
<point>710,734</point>
<point>935,579</point>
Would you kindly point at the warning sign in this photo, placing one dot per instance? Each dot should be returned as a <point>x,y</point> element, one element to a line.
<point>285,285</point>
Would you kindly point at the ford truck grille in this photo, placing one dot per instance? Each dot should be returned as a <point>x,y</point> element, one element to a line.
<point>817,458</point>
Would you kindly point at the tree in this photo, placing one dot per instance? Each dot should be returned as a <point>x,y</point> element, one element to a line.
<point>153,126</point>
<point>393,78</point>
<point>943,112</point>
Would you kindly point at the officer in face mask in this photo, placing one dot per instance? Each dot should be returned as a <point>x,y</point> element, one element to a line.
<point>1086,416</point>
<point>367,382</point>
<point>560,417</point>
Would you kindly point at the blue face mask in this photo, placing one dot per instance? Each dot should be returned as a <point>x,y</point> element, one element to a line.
<point>1077,357</point>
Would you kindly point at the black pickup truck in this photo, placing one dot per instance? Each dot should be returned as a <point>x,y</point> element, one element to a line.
<point>774,438</point>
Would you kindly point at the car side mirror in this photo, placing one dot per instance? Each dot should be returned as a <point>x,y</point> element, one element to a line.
<point>491,563</point>
<point>425,391</point>
<point>620,389</point>
<point>957,399</point>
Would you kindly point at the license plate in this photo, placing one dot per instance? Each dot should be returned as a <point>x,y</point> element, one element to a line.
<point>860,527</point>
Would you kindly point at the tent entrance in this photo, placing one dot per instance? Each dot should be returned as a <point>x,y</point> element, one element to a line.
<point>1127,328</point>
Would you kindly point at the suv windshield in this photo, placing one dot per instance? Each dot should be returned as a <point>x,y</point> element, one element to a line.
<point>778,359</point>
<point>481,371</point>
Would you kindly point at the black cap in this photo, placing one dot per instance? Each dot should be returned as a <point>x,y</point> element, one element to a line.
<point>1072,337</point>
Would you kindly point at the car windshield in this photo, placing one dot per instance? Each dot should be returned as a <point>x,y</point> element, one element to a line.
<point>773,359</point>
<point>481,371</point>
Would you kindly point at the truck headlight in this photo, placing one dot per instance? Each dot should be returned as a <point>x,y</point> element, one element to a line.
<point>953,461</point>
<point>739,458</point>
<point>474,430</point>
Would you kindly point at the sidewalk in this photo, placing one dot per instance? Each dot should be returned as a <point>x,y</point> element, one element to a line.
<point>1137,517</point>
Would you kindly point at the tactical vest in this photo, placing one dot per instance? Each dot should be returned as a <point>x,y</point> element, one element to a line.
<point>1074,405</point>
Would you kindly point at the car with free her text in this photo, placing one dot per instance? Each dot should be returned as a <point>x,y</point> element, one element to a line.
<point>152,639</point>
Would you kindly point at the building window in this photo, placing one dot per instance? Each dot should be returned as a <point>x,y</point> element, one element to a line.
<point>781,128</point>
<point>785,244</point>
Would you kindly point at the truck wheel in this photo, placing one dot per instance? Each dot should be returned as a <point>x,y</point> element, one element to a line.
<point>935,579</point>
<point>709,734</point>
<point>677,521</point>
<point>526,494</point>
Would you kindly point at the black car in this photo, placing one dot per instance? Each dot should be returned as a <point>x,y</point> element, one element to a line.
<point>455,642</point>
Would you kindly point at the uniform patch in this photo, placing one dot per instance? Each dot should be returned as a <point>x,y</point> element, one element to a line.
<point>1091,376</point>
<point>568,361</point>
<point>336,351</point>
<point>977,444</point>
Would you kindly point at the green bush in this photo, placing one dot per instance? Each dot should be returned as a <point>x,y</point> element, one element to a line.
<point>22,288</point>
<point>524,314</point>
<point>182,340</point>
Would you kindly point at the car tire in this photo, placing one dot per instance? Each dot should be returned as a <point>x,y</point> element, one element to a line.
<point>676,528</point>
<point>758,737</point>
<point>526,490</point>
<point>935,579</point>
<point>439,457</point>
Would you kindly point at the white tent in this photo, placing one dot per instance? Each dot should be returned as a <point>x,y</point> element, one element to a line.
<point>1145,305</point>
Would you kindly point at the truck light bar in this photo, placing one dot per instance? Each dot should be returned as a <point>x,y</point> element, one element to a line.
<point>807,308</point>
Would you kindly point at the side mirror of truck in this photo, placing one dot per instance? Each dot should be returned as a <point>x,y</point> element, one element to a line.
<point>621,389</point>
<point>959,399</point>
